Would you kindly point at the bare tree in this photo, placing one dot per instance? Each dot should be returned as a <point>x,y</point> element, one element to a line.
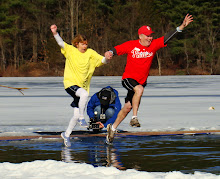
<point>3,59</point>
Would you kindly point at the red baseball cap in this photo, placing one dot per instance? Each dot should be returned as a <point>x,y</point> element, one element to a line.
<point>146,30</point>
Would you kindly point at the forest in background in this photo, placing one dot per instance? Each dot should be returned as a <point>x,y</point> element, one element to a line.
<point>28,48</point>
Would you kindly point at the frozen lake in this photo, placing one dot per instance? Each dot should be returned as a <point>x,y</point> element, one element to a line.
<point>169,103</point>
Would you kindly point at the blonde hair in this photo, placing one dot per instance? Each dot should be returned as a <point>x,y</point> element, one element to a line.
<point>78,38</point>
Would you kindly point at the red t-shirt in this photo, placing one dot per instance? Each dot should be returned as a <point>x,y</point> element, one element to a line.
<point>139,58</point>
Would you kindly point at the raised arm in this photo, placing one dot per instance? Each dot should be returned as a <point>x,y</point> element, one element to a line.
<point>187,20</point>
<point>53,29</point>
<point>57,37</point>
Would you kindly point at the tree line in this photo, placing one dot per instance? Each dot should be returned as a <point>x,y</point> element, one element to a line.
<point>29,49</point>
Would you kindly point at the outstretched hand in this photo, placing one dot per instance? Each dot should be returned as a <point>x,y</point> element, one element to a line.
<point>188,19</point>
<point>53,29</point>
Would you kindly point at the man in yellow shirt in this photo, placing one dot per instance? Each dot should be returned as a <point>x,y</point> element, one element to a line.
<point>80,65</point>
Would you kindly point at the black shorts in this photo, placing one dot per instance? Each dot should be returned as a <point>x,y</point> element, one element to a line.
<point>72,92</point>
<point>129,84</point>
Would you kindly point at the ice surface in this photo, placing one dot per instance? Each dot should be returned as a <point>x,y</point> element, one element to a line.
<point>169,103</point>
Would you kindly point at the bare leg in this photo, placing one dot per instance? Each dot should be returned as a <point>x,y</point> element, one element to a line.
<point>139,89</point>
<point>122,114</point>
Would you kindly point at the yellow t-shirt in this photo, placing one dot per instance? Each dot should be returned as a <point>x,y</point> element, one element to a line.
<point>79,67</point>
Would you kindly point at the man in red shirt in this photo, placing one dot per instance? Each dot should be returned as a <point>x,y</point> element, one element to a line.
<point>140,54</point>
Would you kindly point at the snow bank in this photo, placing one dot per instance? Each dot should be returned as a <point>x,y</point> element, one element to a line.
<point>61,170</point>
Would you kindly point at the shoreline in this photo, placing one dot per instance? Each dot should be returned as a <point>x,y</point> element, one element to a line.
<point>120,134</point>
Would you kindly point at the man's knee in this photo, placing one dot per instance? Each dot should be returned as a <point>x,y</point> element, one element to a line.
<point>139,89</point>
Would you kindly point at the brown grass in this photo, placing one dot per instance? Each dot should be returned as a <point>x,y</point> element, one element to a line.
<point>40,69</point>
<point>10,71</point>
<point>198,71</point>
<point>32,69</point>
<point>167,72</point>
